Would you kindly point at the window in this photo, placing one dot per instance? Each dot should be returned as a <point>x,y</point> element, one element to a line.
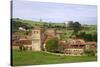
<point>35,32</point>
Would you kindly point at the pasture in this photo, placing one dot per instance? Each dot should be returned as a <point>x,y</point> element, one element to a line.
<point>38,58</point>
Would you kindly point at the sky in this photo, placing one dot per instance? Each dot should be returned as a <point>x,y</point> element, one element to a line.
<point>54,12</point>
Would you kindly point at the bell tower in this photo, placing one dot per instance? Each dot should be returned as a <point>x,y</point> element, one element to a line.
<point>36,39</point>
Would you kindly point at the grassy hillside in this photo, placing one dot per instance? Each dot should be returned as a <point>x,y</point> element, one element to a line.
<point>35,58</point>
<point>28,21</point>
<point>38,23</point>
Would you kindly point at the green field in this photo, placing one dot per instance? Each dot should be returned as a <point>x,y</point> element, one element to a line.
<point>37,58</point>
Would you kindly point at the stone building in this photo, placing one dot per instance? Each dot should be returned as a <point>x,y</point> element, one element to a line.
<point>36,39</point>
<point>17,41</point>
<point>91,45</point>
<point>77,47</point>
<point>73,47</point>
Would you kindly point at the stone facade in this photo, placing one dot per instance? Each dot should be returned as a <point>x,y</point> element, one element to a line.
<point>36,40</point>
<point>74,51</point>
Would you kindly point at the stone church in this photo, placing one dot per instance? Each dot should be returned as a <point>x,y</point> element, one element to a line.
<point>36,40</point>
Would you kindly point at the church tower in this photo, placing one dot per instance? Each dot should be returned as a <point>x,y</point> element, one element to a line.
<point>36,39</point>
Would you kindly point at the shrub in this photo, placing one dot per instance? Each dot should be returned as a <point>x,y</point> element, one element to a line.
<point>90,52</point>
<point>52,45</point>
<point>21,47</point>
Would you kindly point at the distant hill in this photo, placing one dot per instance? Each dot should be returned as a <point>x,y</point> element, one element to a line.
<point>38,23</point>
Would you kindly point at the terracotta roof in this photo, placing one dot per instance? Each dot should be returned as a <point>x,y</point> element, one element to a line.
<point>25,42</point>
<point>91,43</point>
<point>76,41</point>
<point>73,43</point>
<point>15,45</point>
<point>59,32</point>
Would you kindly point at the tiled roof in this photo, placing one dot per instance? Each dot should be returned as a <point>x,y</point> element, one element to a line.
<point>91,43</point>
<point>26,42</point>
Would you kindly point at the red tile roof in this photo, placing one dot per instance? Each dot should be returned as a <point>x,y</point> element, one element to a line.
<point>26,42</point>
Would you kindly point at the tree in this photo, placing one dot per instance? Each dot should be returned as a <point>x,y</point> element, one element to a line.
<point>52,45</point>
<point>90,52</point>
<point>21,47</point>
<point>70,24</point>
<point>94,36</point>
<point>75,26</point>
<point>82,35</point>
<point>88,37</point>
<point>16,23</point>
